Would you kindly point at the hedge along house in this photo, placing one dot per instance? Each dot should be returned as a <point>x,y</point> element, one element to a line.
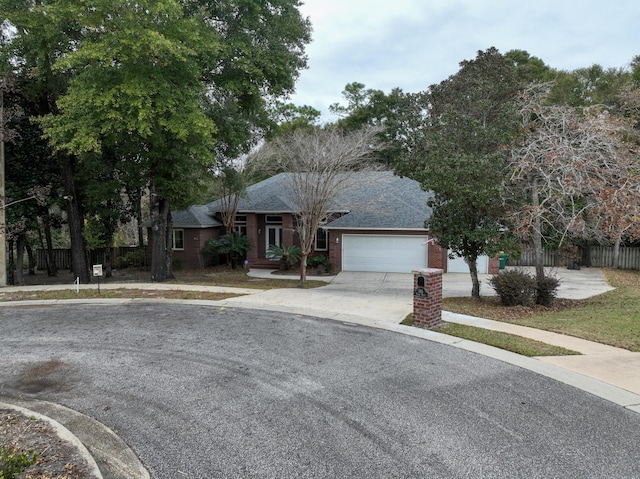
<point>377,224</point>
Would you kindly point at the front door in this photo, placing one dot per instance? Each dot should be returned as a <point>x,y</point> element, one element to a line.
<point>274,235</point>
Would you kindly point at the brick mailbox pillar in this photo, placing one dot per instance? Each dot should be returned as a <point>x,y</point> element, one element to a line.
<point>427,298</point>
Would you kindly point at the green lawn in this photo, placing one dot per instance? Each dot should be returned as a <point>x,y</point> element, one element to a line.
<point>509,342</point>
<point>611,318</point>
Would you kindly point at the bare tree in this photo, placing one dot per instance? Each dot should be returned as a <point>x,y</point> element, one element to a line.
<point>320,164</point>
<point>232,186</point>
<point>572,165</point>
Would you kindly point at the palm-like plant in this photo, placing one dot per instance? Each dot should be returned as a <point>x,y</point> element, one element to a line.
<point>288,254</point>
<point>233,244</point>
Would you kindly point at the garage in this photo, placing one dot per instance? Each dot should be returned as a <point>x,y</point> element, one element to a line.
<point>383,253</point>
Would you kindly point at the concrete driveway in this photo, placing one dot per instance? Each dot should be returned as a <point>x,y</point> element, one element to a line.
<point>371,298</point>
<point>218,392</point>
<point>357,297</point>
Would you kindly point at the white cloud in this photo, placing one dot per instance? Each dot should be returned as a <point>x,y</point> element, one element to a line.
<point>412,44</point>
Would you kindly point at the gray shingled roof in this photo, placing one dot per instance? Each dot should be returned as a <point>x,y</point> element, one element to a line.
<point>197,216</point>
<point>376,200</point>
<point>382,200</point>
<point>268,196</point>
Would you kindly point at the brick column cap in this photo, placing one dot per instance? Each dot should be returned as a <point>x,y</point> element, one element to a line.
<point>428,271</point>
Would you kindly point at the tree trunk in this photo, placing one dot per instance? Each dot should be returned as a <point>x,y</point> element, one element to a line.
<point>616,254</point>
<point>536,235</point>
<point>108,251</point>
<point>161,250</point>
<point>586,254</point>
<point>10,264</point>
<point>20,260</point>
<point>79,263</point>
<point>473,271</point>
<point>303,268</point>
<point>52,267</point>
<point>42,246</point>
<point>108,266</point>
<point>138,213</point>
<point>32,259</point>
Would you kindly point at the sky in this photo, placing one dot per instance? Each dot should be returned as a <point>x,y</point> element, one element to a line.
<point>412,44</point>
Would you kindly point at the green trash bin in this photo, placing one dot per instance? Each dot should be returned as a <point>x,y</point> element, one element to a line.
<point>503,260</point>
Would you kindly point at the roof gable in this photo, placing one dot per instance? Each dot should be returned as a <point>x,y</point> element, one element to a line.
<point>197,216</point>
<point>268,196</point>
<point>382,200</point>
<point>375,200</point>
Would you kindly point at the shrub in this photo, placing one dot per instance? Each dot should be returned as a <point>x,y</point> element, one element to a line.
<point>177,264</point>
<point>13,462</point>
<point>514,287</point>
<point>547,290</point>
<point>319,262</point>
<point>134,258</point>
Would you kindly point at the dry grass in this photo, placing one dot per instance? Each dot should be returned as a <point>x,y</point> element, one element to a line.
<point>223,276</point>
<point>113,293</point>
<point>619,278</point>
<point>490,307</point>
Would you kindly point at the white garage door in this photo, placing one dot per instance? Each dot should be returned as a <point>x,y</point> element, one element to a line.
<point>390,254</point>
<point>459,265</point>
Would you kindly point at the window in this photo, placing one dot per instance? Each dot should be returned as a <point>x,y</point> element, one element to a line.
<point>321,239</point>
<point>274,236</point>
<point>274,219</point>
<point>241,224</point>
<point>178,239</point>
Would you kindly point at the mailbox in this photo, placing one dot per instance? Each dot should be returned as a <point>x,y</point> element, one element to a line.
<point>427,298</point>
<point>420,291</point>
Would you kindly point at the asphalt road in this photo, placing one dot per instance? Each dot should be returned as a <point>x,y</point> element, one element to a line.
<point>203,392</point>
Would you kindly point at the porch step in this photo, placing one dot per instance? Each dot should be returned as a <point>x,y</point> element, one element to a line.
<point>264,264</point>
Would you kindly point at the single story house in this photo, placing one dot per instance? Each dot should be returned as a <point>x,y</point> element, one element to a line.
<point>192,228</point>
<point>376,224</point>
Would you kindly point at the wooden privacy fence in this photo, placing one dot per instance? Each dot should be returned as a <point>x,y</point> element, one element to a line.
<point>121,257</point>
<point>600,257</point>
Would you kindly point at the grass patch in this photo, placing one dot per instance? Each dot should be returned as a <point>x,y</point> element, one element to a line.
<point>220,276</point>
<point>238,279</point>
<point>515,344</point>
<point>611,318</point>
<point>113,293</point>
<point>509,342</point>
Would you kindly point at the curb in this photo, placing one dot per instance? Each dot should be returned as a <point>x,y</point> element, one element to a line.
<point>614,394</point>
<point>108,456</point>
<point>63,433</point>
<point>596,387</point>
